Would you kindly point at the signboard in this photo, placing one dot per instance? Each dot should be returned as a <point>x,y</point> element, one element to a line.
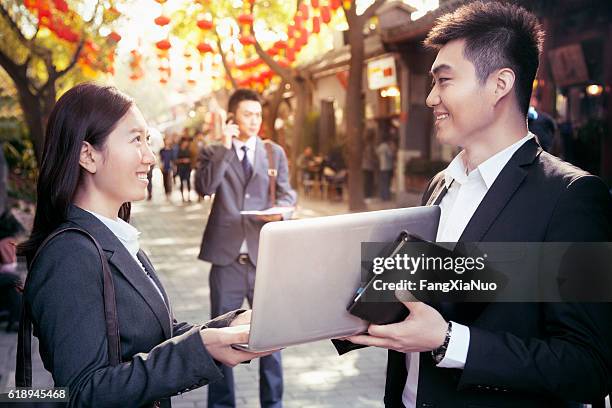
<point>568,66</point>
<point>382,73</point>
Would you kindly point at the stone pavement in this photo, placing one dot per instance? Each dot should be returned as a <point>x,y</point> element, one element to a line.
<point>315,376</point>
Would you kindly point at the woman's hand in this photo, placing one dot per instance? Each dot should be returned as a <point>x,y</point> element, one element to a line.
<point>219,342</point>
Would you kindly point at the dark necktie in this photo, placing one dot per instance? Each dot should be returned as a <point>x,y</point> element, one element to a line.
<point>246,164</point>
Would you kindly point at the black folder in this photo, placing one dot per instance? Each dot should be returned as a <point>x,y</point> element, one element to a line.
<point>381,312</point>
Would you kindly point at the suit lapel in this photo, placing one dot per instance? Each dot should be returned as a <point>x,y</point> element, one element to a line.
<point>260,167</point>
<point>146,262</point>
<point>120,258</point>
<point>500,193</point>
<point>132,272</point>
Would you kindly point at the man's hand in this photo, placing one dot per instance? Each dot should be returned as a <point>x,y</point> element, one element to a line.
<point>219,342</point>
<point>242,319</point>
<point>423,330</point>
<point>270,217</point>
<point>230,130</point>
<point>8,251</point>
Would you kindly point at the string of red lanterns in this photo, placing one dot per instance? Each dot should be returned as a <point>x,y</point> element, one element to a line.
<point>317,13</point>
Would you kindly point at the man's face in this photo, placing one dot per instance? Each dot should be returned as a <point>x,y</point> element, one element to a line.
<point>461,104</point>
<point>248,118</point>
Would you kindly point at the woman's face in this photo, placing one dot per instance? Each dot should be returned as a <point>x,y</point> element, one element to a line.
<point>123,162</point>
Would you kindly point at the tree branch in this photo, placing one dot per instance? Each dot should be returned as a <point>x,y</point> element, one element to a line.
<point>14,27</point>
<point>350,14</point>
<point>284,73</point>
<point>15,71</point>
<point>74,60</point>
<point>28,43</point>
<point>370,11</point>
<point>227,68</point>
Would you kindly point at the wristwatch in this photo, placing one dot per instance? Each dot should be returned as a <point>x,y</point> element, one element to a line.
<point>439,353</point>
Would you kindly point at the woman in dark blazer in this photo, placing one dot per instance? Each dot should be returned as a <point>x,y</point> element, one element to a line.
<point>95,161</point>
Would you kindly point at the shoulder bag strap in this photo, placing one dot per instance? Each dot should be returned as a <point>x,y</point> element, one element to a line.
<point>272,174</point>
<point>23,372</point>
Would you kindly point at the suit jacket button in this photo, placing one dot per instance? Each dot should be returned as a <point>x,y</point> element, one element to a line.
<point>427,405</point>
<point>247,195</point>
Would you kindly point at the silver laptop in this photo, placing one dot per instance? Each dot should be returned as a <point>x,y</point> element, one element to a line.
<point>308,271</point>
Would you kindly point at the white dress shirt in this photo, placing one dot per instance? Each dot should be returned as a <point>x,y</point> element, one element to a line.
<point>128,236</point>
<point>250,144</point>
<point>463,197</point>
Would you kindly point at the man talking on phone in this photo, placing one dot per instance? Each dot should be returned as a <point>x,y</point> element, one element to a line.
<point>244,173</point>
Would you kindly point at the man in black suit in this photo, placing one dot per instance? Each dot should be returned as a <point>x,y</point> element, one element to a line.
<point>502,187</point>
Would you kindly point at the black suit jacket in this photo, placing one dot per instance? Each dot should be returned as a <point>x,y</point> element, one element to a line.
<point>63,292</point>
<point>525,354</point>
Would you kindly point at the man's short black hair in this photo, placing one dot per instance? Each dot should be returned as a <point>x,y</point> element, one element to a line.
<point>240,95</point>
<point>496,35</point>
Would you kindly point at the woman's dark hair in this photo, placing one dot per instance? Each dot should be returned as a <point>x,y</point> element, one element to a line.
<point>88,112</point>
<point>497,35</point>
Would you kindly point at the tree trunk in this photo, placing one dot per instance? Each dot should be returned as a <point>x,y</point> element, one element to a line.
<point>354,120</point>
<point>273,106</point>
<point>302,107</point>
<point>33,116</point>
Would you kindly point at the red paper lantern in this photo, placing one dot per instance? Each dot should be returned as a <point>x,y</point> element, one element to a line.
<point>163,45</point>
<point>163,81</point>
<point>204,47</point>
<point>44,13</point>
<point>205,24</point>
<point>314,3</point>
<point>325,14</point>
<point>61,5</point>
<point>316,25</point>
<point>297,20</point>
<point>304,36</point>
<point>114,11</point>
<point>335,4</point>
<point>290,54</point>
<point>247,40</point>
<point>162,20</point>
<point>280,44</point>
<point>114,37</point>
<point>304,11</point>
<point>246,19</point>
<point>291,31</point>
<point>161,1</point>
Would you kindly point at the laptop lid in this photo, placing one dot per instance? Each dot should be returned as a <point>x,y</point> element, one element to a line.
<point>308,271</point>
